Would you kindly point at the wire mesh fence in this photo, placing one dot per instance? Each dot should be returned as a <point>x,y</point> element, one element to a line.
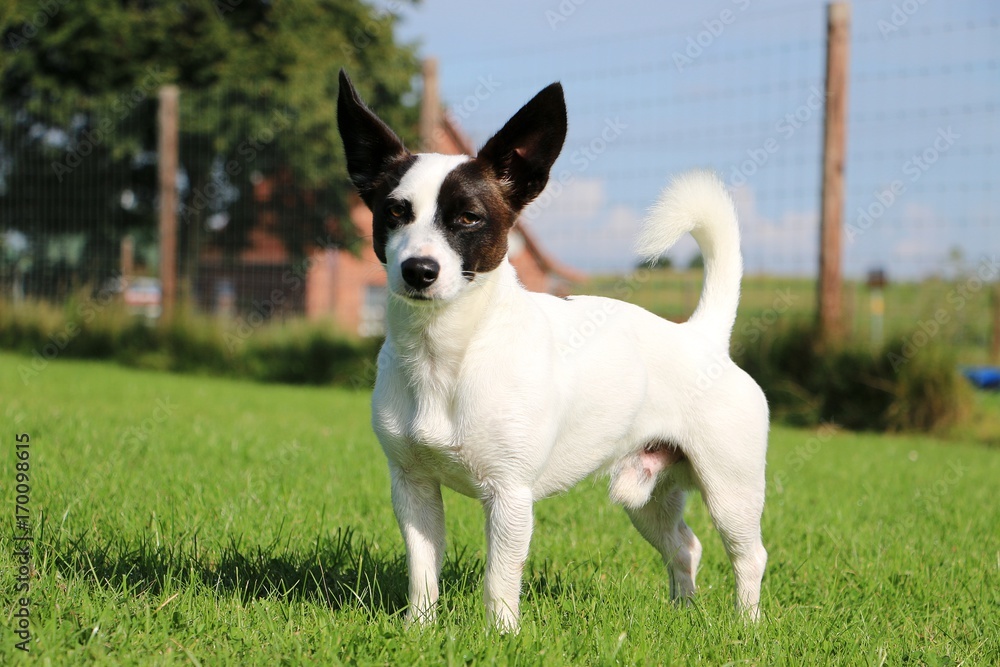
<point>741,92</point>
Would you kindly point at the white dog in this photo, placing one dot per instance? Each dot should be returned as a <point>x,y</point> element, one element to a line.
<point>480,389</point>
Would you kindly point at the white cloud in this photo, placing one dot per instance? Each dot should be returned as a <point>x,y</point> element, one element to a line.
<point>788,244</point>
<point>576,223</point>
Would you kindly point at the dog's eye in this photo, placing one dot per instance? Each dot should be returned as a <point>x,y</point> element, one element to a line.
<point>395,213</point>
<point>468,219</point>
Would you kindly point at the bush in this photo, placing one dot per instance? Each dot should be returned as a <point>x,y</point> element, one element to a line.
<point>849,385</point>
<point>929,394</point>
<point>299,353</point>
<point>307,354</point>
<point>852,385</point>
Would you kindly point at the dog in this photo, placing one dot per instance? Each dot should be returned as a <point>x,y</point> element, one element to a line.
<point>481,389</point>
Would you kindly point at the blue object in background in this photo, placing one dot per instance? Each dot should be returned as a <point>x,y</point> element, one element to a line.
<point>983,377</point>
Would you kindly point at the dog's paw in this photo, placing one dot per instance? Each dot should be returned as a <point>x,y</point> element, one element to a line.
<point>418,618</point>
<point>504,621</point>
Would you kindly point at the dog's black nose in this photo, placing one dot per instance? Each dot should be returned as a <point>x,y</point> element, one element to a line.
<point>420,272</point>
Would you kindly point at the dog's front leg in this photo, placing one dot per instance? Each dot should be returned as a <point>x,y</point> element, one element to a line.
<point>508,535</point>
<point>420,513</point>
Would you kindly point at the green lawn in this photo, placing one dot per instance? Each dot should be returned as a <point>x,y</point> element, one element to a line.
<point>191,520</point>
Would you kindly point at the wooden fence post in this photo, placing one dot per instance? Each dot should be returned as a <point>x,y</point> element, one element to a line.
<point>168,161</point>
<point>127,259</point>
<point>829,309</point>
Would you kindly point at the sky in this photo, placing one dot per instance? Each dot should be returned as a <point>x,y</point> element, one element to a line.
<point>655,88</point>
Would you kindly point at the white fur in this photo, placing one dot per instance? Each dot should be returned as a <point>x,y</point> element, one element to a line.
<point>509,396</point>
<point>697,203</point>
<point>421,237</point>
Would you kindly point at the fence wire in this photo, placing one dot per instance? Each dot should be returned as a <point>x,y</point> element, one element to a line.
<point>743,97</point>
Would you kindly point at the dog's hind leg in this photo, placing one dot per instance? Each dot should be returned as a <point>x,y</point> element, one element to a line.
<point>420,513</point>
<point>661,522</point>
<point>736,506</point>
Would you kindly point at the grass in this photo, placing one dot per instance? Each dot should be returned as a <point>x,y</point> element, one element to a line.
<point>189,520</point>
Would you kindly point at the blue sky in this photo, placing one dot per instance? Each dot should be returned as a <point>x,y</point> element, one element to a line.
<point>673,85</point>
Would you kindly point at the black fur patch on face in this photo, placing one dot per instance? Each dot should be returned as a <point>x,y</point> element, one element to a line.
<point>382,222</point>
<point>472,192</point>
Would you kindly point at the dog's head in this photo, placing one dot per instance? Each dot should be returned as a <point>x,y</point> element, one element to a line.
<point>439,221</point>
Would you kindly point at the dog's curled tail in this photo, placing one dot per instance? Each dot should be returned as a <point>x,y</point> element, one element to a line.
<point>697,202</point>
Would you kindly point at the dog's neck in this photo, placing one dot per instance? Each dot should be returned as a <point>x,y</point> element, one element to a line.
<point>432,337</point>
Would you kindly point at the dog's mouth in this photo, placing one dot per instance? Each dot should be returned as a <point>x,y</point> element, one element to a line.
<point>413,296</point>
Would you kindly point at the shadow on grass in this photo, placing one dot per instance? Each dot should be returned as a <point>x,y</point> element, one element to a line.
<point>341,571</point>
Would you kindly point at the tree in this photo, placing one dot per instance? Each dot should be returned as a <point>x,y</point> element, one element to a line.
<point>258,91</point>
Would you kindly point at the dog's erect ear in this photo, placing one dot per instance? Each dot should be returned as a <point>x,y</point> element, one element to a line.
<point>522,153</point>
<point>370,146</point>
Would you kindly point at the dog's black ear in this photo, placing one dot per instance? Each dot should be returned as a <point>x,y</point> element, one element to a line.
<point>370,146</point>
<point>521,154</point>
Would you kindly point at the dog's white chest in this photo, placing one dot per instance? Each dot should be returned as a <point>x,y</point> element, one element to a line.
<point>419,431</point>
<point>399,415</point>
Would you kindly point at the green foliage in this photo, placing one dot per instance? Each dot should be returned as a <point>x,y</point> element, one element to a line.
<point>301,353</point>
<point>854,386</point>
<point>258,85</point>
<point>304,354</point>
<point>184,520</point>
